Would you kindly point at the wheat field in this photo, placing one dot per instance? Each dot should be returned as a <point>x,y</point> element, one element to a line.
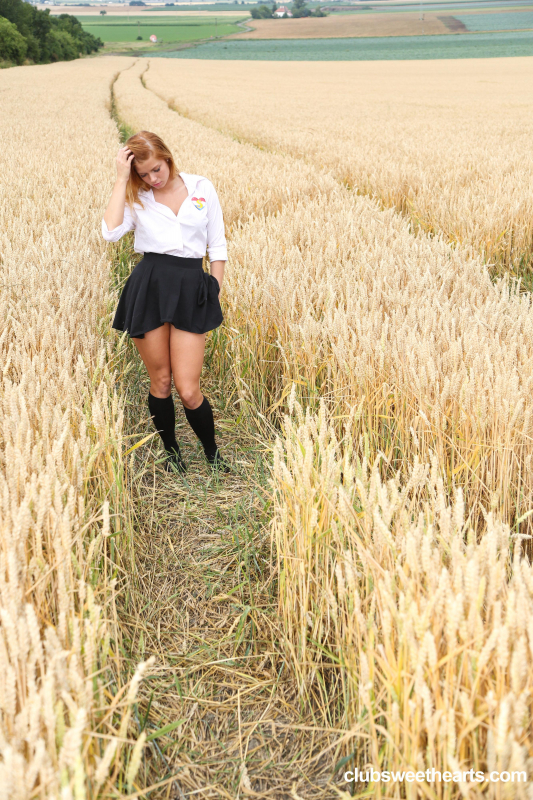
<point>64,704</point>
<point>445,143</point>
<point>404,24</point>
<point>376,339</point>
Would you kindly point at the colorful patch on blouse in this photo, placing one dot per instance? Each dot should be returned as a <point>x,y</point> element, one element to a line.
<point>198,202</point>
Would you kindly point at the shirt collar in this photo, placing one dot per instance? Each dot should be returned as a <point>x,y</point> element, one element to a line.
<point>190,180</point>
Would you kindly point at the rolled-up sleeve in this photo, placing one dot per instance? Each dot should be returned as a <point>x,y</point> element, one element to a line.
<point>216,238</point>
<point>117,233</point>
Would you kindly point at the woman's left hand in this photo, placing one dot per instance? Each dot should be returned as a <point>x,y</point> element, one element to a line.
<point>217,271</point>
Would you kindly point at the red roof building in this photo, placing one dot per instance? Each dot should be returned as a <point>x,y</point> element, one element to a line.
<point>279,12</point>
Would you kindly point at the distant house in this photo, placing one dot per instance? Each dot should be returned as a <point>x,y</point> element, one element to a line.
<point>279,12</point>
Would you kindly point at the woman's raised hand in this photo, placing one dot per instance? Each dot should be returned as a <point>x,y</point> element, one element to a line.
<point>124,159</point>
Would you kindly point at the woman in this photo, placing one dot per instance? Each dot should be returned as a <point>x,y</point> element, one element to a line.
<point>169,303</point>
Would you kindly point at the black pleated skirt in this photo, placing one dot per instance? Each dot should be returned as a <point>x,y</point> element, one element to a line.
<point>164,288</point>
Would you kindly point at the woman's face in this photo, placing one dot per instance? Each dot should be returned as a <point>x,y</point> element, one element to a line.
<point>153,171</point>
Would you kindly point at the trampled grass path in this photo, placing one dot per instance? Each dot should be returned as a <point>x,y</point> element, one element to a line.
<point>221,710</point>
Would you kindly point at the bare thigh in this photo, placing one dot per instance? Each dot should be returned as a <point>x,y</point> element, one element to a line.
<point>154,350</point>
<point>187,357</point>
<point>168,352</point>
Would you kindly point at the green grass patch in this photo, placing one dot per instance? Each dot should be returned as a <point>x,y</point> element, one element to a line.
<point>171,29</point>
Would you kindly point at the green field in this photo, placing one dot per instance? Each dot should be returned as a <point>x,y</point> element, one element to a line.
<point>388,48</point>
<point>519,20</point>
<point>171,29</point>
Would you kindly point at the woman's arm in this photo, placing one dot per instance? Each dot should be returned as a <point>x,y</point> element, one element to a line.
<point>217,269</point>
<point>114,214</point>
<point>216,238</point>
<point>116,233</point>
<point>117,219</point>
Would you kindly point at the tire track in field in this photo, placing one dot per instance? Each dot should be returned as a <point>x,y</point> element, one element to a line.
<point>202,599</point>
<point>247,623</point>
<point>250,618</point>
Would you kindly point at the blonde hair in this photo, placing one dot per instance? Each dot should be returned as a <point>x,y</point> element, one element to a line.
<point>143,145</point>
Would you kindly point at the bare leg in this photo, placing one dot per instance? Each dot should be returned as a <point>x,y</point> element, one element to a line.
<point>187,357</point>
<point>154,350</point>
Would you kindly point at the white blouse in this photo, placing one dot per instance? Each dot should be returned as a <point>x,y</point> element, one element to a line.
<point>198,224</point>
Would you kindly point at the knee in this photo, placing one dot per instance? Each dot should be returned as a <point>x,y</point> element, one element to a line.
<point>160,385</point>
<point>190,396</point>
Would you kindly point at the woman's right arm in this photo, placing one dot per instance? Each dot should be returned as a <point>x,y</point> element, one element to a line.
<point>118,219</point>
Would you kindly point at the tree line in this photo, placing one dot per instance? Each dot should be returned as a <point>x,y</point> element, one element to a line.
<point>30,35</point>
<point>298,9</point>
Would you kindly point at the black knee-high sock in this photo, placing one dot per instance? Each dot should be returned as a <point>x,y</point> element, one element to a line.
<point>201,421</point>
<point>163,414</point>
